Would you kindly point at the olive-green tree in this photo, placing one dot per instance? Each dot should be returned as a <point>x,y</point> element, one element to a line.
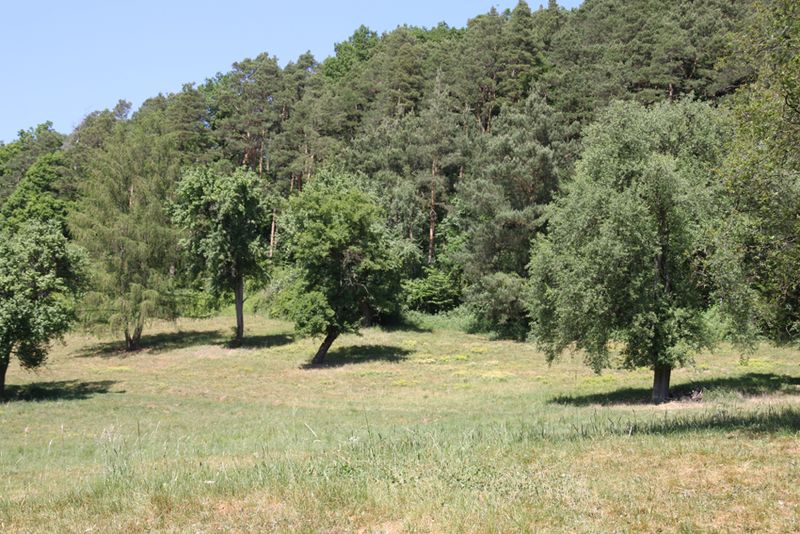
<point>624,257</point>
<point>122,221</point>
<point>762,169</point>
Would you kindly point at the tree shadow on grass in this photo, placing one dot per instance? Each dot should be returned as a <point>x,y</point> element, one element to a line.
<point>260,342</point>
<point>404,325</point>
<point>168,341</point>
<point>750,384</point>
<point>360,354</point>
<point>53,391</point>
<point>156,343</point>
<point>771,420</point>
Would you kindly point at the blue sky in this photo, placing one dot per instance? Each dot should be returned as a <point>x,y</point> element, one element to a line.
<point>65,59</point>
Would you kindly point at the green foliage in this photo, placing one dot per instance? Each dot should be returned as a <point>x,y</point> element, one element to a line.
<point>647,50</point>
<point>623,259</point>
<point>17,157</point>
<point>438,290</point>
<point>350,54</point>
<point>41,274</point>
<point>498,302</point>
<point>225,220</point>
<point>514,171</point>
<point>341,257</point>
<point>37,197</point>
<point>762,174</point>
<point>122,221</point>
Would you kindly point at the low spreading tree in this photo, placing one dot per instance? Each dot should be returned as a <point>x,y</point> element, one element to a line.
<point>342,260</point>
<point>41,274</point>
<point>226,223</point>
<point>625,258</point>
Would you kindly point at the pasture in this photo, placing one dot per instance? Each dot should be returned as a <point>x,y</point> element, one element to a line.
<point>425,429</point>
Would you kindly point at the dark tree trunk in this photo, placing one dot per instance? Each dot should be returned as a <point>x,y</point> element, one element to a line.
<point>239,310</point>
<point>319,357</point>
<point>3,369</point>
<point>661,376</point>
<point>132,340</point>
<point>367,317</point>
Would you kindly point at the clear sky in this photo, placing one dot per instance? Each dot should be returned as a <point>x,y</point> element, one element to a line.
<point>63,59</point>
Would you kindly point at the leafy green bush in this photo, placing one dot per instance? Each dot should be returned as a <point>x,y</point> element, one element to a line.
<point>497,303</point>
<point>435,292</point>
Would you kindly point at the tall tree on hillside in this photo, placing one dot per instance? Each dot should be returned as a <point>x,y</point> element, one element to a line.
<point>225,221</point>
<point>395,74</point>
<point>514,173</point>
<point>411,161</point>
<point>41,275</point>
<point>520,58</point>
<point>624,257</point>
<point>436,133</point>
<point>475,67</point>
<point>122,221</point>
<point>350,55</point>
<point>39,196</point>
<point>246,107</point>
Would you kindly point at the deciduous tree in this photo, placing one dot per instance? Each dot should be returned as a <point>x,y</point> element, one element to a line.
<point>624,257</point>
<point>41,274</point>
<point>226,222</point>
<point>341,258</point>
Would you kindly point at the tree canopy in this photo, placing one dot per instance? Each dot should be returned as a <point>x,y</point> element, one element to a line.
<point>225,221</point>
<point>341,260</point>
<point>626,141</point>
<point>41,275</point>
<point>623,258</point>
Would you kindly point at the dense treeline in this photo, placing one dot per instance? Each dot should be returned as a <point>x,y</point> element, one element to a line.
<point>463,147</point>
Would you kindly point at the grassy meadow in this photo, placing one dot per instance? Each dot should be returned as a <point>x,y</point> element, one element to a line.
<point>425,429</point>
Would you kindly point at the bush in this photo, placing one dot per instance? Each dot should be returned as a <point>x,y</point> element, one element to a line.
<point>497,303</point>
<point>437,291</point>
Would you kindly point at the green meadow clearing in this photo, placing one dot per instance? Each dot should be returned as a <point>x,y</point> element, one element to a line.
<point>418,430</point>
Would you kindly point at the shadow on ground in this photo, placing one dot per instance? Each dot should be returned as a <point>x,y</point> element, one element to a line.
<point>751,385</point>
<point>165,342</point>
<point>772,419</point>
<point>361,354</point>
<point>261,342</point>
<point>404,325</point>
<point>769,420</point>
<point>60,390</point>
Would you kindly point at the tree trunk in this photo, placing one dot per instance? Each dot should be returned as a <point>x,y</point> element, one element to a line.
<point>661,376</point>
<point>261,159</point>
<point>3,369</point>
<point>239,310</point>
<point>367,317</point>
<point>319,357</point>
<point>432,215</point>
<point>132,341</point>
<point>272,234</point>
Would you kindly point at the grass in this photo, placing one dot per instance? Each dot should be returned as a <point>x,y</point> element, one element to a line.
<point>418,430</point>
